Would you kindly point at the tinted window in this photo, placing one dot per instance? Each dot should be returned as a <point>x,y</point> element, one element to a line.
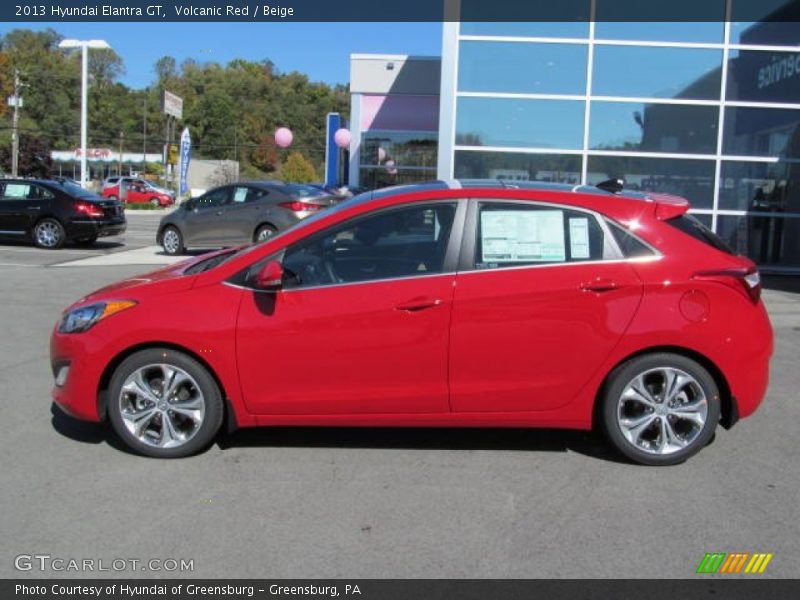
<point>522,67</point>
<point>673,21</point>
<point>403,242</point>
<point>657,72</point>
<point>759,76</point>
<point>25,191</point>
<point>512,122</point>
<point>766,240</point>
<point>302,191</point>
<point>557,168</point>
<point>629,244</point>
<point>511,235</point>
<point>759,186</point>
<point>543,29</point>
<point>216,197</point>
<point>689,225</point>
<point>653,127</point>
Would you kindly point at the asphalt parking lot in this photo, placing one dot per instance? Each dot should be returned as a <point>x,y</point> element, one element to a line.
<point>317,503</point>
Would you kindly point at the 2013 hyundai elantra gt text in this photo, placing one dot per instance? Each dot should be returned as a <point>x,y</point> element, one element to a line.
<point>465,304</point>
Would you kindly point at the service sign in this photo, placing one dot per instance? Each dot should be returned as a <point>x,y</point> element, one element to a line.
<point>172,105</point>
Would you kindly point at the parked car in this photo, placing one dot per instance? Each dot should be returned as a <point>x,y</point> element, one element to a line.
<point>239,214</point>
<point>137,191</point>
<point>472,304</point>
<point>51,212</point>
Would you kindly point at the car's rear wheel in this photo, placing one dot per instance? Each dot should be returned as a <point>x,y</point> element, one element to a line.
<point>163,403</point>
<point>172,241</point>
<point>49,234</point>
<point>660,409</point>
<point>264,232</point>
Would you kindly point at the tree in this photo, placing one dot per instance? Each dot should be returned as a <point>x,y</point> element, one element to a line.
<point>297,169</point>
<point>34,157</point>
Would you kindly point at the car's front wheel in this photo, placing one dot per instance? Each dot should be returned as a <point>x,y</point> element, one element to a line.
<point>660,409</point>
<point>163,403</point>
<point>172,241</point>
<point>154,202</point>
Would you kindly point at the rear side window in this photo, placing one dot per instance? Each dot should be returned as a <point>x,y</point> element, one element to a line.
<point>691,226</point>
<point>629,244</point>
<point>512,235</point>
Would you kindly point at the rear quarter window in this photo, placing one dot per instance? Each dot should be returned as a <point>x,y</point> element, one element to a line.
<point>694,228</point>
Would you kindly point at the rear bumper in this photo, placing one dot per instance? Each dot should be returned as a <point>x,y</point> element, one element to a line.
<point>96,228</point>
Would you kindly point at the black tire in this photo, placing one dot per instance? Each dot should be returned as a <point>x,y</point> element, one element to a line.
<point>49,234</point>
<point>112,197</point>
<point>644,452</point>
<point>155,202</point>
<point>201,436</point>
<point>86,241</point>
<point>172,249</point>
<point>266,230</point>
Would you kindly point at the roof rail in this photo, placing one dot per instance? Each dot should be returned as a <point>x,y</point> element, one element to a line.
<point>614,186</point>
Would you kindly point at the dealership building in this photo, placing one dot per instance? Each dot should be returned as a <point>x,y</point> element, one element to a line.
<point>705,110</point>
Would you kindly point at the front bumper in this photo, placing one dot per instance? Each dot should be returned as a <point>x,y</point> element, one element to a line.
<point>83,356</point>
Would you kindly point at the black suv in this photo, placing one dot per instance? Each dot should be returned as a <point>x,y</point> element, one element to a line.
<point>51,212</point>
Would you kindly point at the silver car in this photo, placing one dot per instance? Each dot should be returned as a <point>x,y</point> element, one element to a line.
<point>239,213</point>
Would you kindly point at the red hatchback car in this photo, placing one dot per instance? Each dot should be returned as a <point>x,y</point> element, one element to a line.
<point>464,304</point>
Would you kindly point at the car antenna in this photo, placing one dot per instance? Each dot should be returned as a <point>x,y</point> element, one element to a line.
<point>614,186</point>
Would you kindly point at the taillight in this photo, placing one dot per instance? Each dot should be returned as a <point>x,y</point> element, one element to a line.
<point>747,280</point>
<point>89,209</point>
<point>298,206</point>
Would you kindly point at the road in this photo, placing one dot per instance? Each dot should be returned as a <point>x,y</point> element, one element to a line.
<point>305,502</point>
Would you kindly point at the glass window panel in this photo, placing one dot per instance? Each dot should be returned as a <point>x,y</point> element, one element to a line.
<point>762,132</point>
<point>705,219</point>
<point>406,148</point>
<point>653,127</point>
<point>657,72</point>
<point>765,22</point>
<point>519,67</point>
<point>543,13</point>
<point>759,76</point>
<point>769,241</point>
<point>760,187</point>
<point>562,29</point>
<point>380,177</point>
<point>556,168</point>
<point>691,179</point>
<point>520,123</point>
<point>673,21</point>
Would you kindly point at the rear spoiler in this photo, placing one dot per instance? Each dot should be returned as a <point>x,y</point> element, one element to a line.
<point>668,206</point>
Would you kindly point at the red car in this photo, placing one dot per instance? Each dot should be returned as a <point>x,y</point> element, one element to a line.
<point>139,192</point>
<point>468,305</point>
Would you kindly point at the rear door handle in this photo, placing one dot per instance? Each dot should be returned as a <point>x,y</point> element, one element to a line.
<point>417,304</point>
<point>599,285</point>
<point>34,208</point>
<point>219,213</point>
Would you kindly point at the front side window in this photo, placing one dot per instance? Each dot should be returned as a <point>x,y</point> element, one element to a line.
<point>512,235</point>
<point>213,198</point>
<point>404,242</point>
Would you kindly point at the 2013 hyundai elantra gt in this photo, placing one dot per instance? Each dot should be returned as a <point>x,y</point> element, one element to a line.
<point>447,304</point>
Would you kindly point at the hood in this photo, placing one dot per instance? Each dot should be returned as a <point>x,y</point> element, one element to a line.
<point>167,279</point>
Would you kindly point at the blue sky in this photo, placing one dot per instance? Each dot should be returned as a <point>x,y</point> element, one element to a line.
<point>321,50</point>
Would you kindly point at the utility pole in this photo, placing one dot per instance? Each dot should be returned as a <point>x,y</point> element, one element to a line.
<point>144,139</point>
<point>15,125</point>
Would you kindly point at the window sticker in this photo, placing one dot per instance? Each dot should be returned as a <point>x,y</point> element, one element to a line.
<point>522,236</point>
<point>240,194</point>
<point>579,237</point>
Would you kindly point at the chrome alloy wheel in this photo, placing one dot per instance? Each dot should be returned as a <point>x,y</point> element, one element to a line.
<point>171,241</point>
<point>48,234</point>
<point>162,405</point>
<point>662,411</point>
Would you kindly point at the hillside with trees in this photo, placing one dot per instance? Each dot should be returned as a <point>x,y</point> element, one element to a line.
<point>231,110</point>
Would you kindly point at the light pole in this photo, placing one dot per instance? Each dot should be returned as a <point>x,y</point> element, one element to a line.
<point>84,45</point>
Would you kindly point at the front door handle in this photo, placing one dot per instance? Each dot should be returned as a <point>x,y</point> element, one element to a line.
<point>34,208</point>
<point>417,304</point>
<point>599,285</point>
<point>219,213</point>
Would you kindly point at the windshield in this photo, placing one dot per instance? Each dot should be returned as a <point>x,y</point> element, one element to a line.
<point>298,189</point>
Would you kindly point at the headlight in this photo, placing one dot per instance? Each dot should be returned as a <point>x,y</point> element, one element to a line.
<point>83,318</point>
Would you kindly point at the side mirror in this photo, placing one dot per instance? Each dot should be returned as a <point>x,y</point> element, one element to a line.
<point>270,277</point>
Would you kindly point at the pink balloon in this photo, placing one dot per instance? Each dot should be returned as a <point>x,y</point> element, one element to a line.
<point>381,155</point>
<point>283,137</point>
<point>342,138</point>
